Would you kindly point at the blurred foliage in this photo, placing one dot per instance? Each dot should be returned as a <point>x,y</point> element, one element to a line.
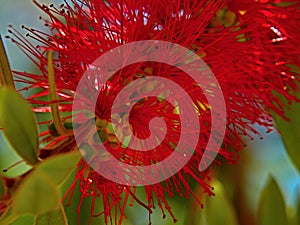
<point>3,188</point>
<point>290,131</point>
<point>267,213</point>
<point>56,217</point>
<point>218,209</point>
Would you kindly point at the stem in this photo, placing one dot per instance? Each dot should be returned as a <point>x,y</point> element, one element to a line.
<point>54,99</point>
<point>6,78</point>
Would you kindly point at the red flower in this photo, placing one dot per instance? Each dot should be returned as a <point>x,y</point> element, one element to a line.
<point>248,46</point>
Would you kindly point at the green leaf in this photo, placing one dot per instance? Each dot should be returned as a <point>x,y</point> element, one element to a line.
<point>290,132</point>
<point>24,220</point>
<point>19,124</point>
<point>70,209</point>
<point>271,208</point>
<point>8,217</point>
<point>8,157</point>
<point>293,211</point>
<point>219,209</point>
<point>3,188</point>
<point>13,219</point>
<point>36,195</point>
<point>8,220</point>
<point>59,167</point>
<point>298,210</point>
<point>56,217</point>
<point>6,78</point>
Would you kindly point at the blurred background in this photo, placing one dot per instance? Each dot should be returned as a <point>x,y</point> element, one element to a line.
<point>240,188</point>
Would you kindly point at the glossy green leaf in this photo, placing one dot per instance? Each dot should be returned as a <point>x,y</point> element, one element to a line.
<point>18,121</point>
<point>219,209</point>
<point>24,220</point>
<point>56,217</point>
<point>37,194</point>
<point>3,188</point>
<point>59,167</point>
<point>271,208</point>
<point>290,132</point>
<point>13,219</point>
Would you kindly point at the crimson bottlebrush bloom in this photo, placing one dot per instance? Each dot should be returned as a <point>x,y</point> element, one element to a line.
<point>251,47</point>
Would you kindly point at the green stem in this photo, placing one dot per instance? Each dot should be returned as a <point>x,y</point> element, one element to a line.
<point>59,125</point>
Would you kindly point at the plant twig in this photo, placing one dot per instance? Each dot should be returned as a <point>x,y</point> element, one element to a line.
<point>59,125</point>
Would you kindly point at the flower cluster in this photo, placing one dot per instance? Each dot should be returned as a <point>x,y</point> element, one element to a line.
<point>251,47</point>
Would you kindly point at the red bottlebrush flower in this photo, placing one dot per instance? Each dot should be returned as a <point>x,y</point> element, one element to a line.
<point>248,46</point>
